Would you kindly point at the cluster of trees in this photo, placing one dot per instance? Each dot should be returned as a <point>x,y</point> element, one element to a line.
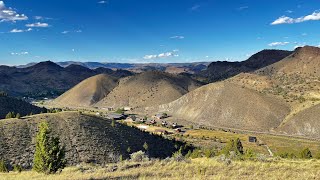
<point>304,154</point>
<point>3,94</point>
<point>13,115</point>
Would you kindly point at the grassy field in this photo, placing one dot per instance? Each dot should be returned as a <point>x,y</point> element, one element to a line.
<point>202,168</point>
<point>277,144</point>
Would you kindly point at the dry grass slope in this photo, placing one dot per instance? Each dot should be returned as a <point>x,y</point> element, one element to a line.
<point>229,105</point>
<point>196,169</point>
<point>148,89</point>
<point>88,92</point>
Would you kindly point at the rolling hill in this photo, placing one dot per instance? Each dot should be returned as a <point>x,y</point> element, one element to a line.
<point>10,104</point>
<point>148,89</point>
<point>88,92</point>
<point>283,97</point>
<point>229,105</point>
<point>87,139</point>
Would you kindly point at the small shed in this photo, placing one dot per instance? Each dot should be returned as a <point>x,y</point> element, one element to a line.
<point>253,139</point>
<point>116,116</point>
<point>161,132</point>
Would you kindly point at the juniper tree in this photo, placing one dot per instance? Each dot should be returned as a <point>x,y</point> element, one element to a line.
<point>49,156</point>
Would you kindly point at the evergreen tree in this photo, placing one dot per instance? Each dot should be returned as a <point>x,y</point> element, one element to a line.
<point>10,115</point>
<point>49,156</point>
<point>18,116</point>
<point>145,146</point>
<point>306,154</point>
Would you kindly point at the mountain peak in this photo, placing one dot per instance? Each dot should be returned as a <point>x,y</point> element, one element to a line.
<point>310,50</point>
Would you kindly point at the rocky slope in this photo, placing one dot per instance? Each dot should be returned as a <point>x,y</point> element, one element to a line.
<point>86,139</point>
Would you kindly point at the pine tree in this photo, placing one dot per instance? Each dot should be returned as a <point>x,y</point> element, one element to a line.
<point>49,156</point>
<point>145,146</point>
<point>10,115</point>
<point>18,116</point>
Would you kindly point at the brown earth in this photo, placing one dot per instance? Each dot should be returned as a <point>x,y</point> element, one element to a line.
<point>148,89</point>
<point>88,92</point>
<point>87,139</point>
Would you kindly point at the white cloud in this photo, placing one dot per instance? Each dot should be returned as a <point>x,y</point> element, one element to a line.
<point>304,34</point>
<point>8,14</point>
<point>289,11</point>
<point>162,55</point>
<point>41,18</point>
<point>278,44</point>
<point>102,2</point>
<point>20,30</point>
<point>243,8</point>
<point>177,37</point>
<point>38,24</point>
<point>288,20</point>
<point>19,53</point>
<point>195,7</point>
<point>76,31</point>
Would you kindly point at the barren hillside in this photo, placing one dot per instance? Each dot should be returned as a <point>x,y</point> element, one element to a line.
<point>148,89</point>
<point>229,105</point>
<point>88,92</point>
<point>86,139</point>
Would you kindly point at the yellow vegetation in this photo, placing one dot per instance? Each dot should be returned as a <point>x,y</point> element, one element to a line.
<point>194,169</point>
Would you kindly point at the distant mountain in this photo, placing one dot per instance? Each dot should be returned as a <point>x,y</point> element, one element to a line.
<point>221,70</point>
<point>47,79</point>
<point>138,67</point>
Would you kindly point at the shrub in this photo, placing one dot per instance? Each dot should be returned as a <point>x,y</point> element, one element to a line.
<point>209,153</point>
<point>145,146</point>
<point>49,156</point>
<point>139,156</point>
<point>120,111</point>
<point>113,123</point>
<point>233,146</point>
<point>250,154</point>
<point>306,154</point>
<point>17,168</point>
<point>3,167</point>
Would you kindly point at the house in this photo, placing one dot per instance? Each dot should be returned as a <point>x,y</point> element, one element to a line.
<point>160,116</point>
<point>132,119</point>
<point>108,109</point>
<point>164,123</point>
<point>178,130</point>
<point>174,125</point>
<point>116,116</point>
<point>127,108</point>
<point>253,139</point>
<point>161,132</point>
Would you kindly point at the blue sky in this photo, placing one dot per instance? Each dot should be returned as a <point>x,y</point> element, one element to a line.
<point>138,31</point>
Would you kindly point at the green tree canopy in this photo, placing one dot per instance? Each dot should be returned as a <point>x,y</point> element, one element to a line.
<point>49,156</point>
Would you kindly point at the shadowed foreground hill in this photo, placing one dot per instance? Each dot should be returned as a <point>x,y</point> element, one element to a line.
<point>86,139</point>
<point>9,104</point>
<point>148,89</point>
<point>229,105</point>
<point>88,92</point>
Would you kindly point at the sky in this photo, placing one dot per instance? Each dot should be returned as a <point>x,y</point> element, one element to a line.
<point>149,31</point>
